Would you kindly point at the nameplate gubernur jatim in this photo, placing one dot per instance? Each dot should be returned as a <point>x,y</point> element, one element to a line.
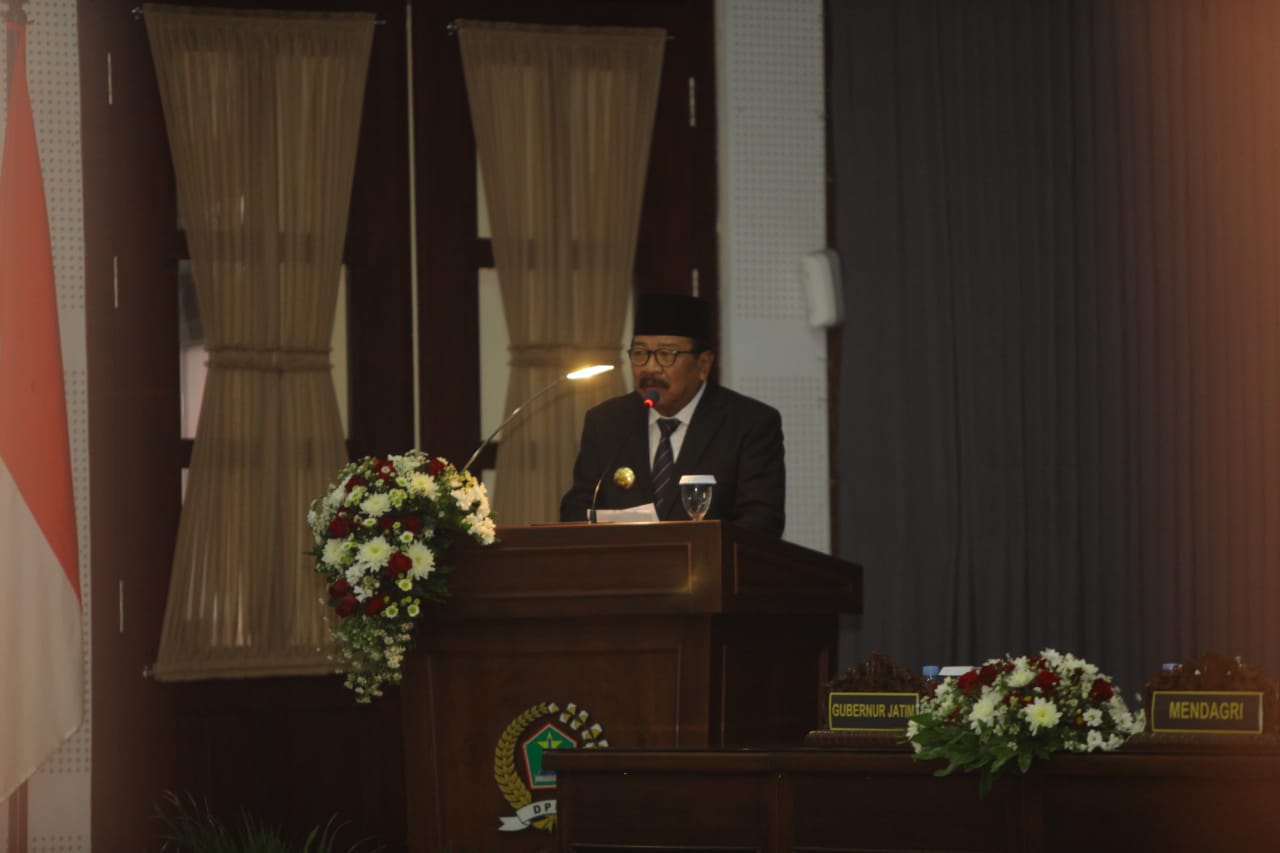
<point>870,712</point>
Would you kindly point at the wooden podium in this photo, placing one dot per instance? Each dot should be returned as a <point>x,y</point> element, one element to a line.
<point>679,634</point>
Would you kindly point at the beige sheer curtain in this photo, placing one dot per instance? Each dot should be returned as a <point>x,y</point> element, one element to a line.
<point>563,119</point>
<point>263,113</point>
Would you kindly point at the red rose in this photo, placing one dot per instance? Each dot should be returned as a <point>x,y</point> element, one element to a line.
<point>968,682</point>
<point>398,564</point>
<point>339,588</point>
<point>1047,681</point>
<point>375,605</point>
<point>987,675</point>
<point>1101,690</point>
<point>412,523</point>
<point>347,606</point>
<point>339,527</point>
<point>435,466</point>
<point>386,522</point>
<point>384,468</point>
<point>356,480</point>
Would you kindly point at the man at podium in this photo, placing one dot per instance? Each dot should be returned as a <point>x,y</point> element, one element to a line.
<point>636,447</point>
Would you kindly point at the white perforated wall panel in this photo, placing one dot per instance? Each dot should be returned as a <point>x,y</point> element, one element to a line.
<point>58,795</point>
<point>772,156</point>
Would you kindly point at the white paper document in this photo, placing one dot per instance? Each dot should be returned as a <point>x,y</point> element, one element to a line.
<point>644,512</point>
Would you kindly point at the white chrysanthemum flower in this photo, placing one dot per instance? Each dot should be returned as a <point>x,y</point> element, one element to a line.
<point>1093,718</point>
<point>333,500</point>
<point>405,583</point>
<point>1093,740</point>
<point>334,549</point>
<point>464,496</point>
<point>374,553</point>
<point>1021,675</point>
<point>423,485</point>
<point>984,710</point>
<point>397,497</point>
<point>1052,656</point>
<point>482,528</point>
<point>406,536</point>
<point>1114,742</point>
<point>413,610</point>
<point>391,611</point>
<point>375,505</point>
<point>424,561</point>
<point>1041,714</point>
<point>912,728</point>
<point>355,496</point>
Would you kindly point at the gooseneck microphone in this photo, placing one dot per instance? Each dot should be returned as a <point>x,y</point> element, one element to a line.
<point>573,375</point>
<point>650,399</point>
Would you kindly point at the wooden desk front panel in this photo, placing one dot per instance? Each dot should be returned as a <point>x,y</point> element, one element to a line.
<point>683,812</point>
<point>828,800</point>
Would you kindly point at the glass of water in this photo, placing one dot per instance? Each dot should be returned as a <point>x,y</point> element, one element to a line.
<point>695,494</point>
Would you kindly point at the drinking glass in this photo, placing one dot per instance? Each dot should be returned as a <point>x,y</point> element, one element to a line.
<point>695,494</point>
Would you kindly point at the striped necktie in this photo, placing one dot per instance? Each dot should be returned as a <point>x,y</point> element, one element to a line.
<point>664,490</point>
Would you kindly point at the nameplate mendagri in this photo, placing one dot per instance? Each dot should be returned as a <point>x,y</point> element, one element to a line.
<point>1206,712</point>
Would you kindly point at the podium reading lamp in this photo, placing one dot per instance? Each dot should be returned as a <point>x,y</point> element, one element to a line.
<point>574,375</point>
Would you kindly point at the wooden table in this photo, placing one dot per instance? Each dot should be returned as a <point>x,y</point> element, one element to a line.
<point>1153,795</point>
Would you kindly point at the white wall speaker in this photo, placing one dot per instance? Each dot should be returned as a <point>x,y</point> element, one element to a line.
<point>820,278</point>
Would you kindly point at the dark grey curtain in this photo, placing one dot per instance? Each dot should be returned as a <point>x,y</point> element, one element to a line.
<point>1060,378</point>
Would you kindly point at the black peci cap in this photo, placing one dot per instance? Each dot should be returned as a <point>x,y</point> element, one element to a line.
<point>672,314</point>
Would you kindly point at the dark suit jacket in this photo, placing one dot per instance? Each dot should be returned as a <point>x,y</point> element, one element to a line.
<point>732,436</point>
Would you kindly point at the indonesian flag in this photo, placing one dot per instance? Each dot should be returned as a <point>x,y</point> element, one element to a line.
<point>41,661</point>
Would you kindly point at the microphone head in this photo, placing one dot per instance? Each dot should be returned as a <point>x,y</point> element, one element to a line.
<point>650,398</point>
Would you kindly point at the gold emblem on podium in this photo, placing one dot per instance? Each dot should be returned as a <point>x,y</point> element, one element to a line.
<point>517,760</point>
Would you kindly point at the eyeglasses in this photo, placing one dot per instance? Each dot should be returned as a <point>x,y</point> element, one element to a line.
<point>665,357</point>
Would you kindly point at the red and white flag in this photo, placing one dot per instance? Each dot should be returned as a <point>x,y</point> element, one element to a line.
<point>41,660</point>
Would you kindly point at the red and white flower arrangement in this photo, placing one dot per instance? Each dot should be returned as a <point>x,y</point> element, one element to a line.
<point>1013,710</point>
<point>381,532</point>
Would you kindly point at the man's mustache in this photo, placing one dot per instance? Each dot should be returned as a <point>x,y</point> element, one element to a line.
<point>653,382</point>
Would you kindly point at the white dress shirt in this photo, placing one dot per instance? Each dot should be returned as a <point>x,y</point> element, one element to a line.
<point>677,436</point>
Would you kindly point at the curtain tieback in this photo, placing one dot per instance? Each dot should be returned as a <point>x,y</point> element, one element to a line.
<point>562,356</point>
<point>279,360</point>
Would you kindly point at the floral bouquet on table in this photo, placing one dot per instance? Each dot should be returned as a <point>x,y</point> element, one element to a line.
<point>1017,709</point>
<point>380,533</point>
